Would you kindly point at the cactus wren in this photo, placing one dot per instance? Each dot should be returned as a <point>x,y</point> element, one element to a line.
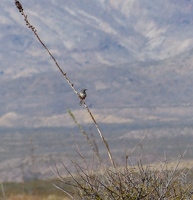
<point>82,95</point>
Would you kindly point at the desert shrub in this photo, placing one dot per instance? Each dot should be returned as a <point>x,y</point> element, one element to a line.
<point>157,181</point>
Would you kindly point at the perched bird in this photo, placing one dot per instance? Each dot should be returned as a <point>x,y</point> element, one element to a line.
<point>82,95</point>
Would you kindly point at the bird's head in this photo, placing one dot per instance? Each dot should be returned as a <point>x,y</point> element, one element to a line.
<point>83,90</point>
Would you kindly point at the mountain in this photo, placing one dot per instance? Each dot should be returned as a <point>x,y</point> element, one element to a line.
<point>128,54</point>
<point>133,56</point>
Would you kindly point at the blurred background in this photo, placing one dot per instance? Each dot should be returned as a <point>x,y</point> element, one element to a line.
<point>133,56</point>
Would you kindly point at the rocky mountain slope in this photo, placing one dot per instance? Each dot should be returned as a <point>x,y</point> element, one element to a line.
<point>127,53</point>
<point>133,56</point>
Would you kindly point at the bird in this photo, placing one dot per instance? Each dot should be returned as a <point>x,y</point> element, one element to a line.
<point>82,95</point>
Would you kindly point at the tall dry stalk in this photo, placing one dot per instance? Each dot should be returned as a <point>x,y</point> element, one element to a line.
<point>21,10</point>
